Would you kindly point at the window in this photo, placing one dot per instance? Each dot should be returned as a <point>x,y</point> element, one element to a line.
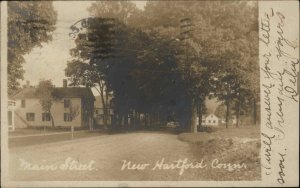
<point>30,116</point>
<point>67,103</point>
<point>67,117</point>
<point>45,116</point>
<point>203,121</point>
<point>96,112</point>
<point>209,121</point>
<point>23,103</point>
<point>214,121</point>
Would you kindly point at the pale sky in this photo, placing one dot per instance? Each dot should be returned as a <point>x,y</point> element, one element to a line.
<point>49,61</point>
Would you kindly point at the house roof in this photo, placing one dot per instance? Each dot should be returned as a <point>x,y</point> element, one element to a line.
<point>81,92</point>
<point>26,93</point>
<point>60,92</point>
<point>210,115</point>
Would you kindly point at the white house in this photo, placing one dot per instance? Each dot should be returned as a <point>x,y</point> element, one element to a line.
<point>73,106</point>
<point>210,120</point>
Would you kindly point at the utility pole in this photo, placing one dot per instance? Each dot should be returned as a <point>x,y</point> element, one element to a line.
<point>185,34</point>
<point>186,27</point>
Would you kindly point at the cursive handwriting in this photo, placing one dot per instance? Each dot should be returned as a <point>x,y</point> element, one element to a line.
<point>288,87</point>
<point>266,69</point>
<point>267,147</point>
<point>281,40</point>
<point>69,164</point>
<point>280,119</point>
<point>265,28</point>
<point>267,101</point>
<point>179,164</point>
<point>281,173</point>
<point>132,166</point>
<point>279,62</point>
<point>182,165</point>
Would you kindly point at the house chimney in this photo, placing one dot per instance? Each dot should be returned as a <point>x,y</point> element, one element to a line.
<point>65,83</point>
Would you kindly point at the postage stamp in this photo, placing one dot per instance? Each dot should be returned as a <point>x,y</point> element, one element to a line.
<point>149,93</point>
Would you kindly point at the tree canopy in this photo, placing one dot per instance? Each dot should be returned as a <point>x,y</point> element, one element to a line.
<point>170,56</point>
<point>30,24</point>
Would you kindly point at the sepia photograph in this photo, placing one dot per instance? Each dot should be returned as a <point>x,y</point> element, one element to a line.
<point>139,91</point>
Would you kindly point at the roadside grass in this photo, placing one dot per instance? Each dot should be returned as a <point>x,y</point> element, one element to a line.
<point>45,139</point>
<point>37,135</point>
<point>41,130</point>
<point>231,145</point>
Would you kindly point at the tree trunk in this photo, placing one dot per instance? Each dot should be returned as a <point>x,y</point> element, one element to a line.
<point>194,116</point>
<point>133,119</point>
<point>119,121</point>
<point>200,114</point>
<point>106,111</point>
<point>238,106</point>
<point>138,119</point>
<point>145,118</point>
<point>52,120</point>
<point>227,111</point>
<point>151,119</point>
<point>126,120</point>
<point>254,111</point>
<point>101,92</point>
<point>158,120</point>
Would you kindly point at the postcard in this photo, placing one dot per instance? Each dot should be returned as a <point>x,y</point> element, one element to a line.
<point>149,93</point>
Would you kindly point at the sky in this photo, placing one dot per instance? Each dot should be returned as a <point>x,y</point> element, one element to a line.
<point>50,60</point>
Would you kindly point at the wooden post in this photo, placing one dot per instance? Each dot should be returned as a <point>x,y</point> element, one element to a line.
<point>194,116</point>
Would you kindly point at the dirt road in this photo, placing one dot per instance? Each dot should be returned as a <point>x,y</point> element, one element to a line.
<point>103,157</point>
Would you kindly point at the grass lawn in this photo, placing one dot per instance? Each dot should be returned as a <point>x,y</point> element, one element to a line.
<point>231,145</point>
<point>44,139</point>
<point>246,132</point>
<point>38,130</point>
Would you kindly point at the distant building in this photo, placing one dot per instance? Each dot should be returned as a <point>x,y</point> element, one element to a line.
<point>73,106</point>
<point>210,120</point>
<point>99,115</point>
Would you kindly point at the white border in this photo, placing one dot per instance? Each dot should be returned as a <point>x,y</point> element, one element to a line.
<point>4,152</point>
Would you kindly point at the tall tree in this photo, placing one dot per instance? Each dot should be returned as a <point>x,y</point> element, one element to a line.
<point>44,92</point>
<point>123,11</point>
<point>222,32</point>
<point>30,24</point>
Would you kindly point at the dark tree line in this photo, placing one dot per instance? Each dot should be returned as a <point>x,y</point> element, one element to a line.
<point>163,62</point>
